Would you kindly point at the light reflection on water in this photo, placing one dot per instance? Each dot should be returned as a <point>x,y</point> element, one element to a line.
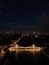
<point>34,49</point>
<point>28,57</point>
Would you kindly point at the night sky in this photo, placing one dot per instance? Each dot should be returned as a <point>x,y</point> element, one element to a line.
<point>25,15</point>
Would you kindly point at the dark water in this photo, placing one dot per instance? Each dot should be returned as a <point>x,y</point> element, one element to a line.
<point>24,58</point>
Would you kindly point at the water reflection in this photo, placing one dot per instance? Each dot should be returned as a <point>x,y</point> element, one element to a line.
<point>27,57</point>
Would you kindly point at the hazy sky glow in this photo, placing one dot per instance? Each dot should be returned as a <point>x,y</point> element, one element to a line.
<point>14,14</point>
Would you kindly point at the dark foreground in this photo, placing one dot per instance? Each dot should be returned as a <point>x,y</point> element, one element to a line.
<point>24,58</point>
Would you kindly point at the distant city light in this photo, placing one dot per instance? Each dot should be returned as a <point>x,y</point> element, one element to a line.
<point>36,35</point>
